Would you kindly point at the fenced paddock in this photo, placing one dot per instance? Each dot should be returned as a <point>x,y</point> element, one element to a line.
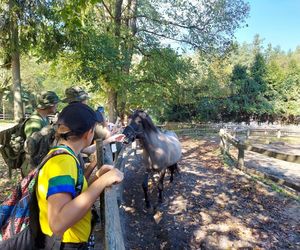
<point>196,203</point>
<point>202,201</point>
<point>226,139</point>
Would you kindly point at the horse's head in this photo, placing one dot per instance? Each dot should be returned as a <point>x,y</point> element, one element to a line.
<point>135,127</point>
<point>139,125</point>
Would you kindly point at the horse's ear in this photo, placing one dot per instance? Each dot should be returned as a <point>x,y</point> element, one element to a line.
<point>143,114</point>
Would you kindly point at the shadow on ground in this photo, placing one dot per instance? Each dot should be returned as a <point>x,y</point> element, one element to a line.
<point>207,207</point>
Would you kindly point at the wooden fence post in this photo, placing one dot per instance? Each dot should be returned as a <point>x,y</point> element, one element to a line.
<point>99,153</point>
<point>278,133</point>
<point>222,143</point>
<point>241,155</point>
<point>109,208</point>
<point>113,230</point>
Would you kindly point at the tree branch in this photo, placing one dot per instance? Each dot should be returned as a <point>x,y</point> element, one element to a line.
<point>174,24</point>
<point>107,9</point>
<point>171,38</point>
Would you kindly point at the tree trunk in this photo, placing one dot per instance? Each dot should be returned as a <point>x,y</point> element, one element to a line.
<point>112,105</point>
<point>118,14</point>
<point>18,106</point>
<point>15,63</point>
<point>131,25</point>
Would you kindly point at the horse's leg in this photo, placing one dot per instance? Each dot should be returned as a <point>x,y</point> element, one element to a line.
<point>173,169</point>
<point>147,164</point>
<point>145,189</point>
<point>161,185</point>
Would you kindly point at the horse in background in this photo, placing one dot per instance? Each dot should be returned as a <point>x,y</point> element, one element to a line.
<point>161,150</point>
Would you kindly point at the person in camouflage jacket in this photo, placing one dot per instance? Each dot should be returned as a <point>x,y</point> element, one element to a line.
<point>46,105</point>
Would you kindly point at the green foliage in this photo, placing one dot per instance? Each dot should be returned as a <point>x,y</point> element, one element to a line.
<point>103,38</point>
<point>245,86</point>
<point>118,50</point>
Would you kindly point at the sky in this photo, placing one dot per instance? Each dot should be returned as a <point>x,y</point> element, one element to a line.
<point>276,21</point>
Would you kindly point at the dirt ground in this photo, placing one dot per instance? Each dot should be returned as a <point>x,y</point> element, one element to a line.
<point>208,206</point>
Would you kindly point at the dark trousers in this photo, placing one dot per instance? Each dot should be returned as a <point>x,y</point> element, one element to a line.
<point>54,243</point>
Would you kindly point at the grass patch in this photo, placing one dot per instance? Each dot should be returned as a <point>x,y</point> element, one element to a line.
<point>227,161</point>
<point>277,188</point>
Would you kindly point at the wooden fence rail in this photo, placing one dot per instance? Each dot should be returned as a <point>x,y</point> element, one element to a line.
<point>109,208</point>
<point>245,131</point>
<point>226,140</point>
<point>6,116</point>
<point>266,132</point>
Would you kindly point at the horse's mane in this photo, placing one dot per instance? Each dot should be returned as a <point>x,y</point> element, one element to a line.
<point>146,121</point>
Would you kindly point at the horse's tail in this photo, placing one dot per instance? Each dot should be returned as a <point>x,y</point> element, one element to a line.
<point>173,168</point>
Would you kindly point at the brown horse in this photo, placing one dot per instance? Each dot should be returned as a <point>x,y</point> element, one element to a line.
<point>161,150</point>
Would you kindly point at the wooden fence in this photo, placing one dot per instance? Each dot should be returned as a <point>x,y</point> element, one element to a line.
<point>110,200</point>
<point>227,139</point>
<point>245,131</point>
<point>266,132</point>
<point>109,204</point>
<point>6,116</point>
<point>10,116</point>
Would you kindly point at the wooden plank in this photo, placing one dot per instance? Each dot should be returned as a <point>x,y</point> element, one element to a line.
<point>270,177</point>
<point>99,154</point>
<point>274,154</point>
<point>240,161</point>
<point>270,153</point>
<point>113,231</point>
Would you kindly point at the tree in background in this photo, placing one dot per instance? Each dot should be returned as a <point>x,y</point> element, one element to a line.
<point>19,21</point>
<point>106,37</point>
<point>124,51</point>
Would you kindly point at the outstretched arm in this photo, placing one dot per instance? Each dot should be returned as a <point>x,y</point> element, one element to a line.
<point>114,138</point>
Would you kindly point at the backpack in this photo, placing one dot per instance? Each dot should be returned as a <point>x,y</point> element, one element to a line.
<point>38,145</point>
<point>19,213</point>
<point>12,145</point>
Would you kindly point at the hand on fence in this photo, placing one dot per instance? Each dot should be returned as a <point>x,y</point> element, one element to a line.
<point>111,175</point>
<point>104,169</point>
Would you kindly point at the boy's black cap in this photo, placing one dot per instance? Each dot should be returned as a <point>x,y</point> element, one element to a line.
<point>76,118</point>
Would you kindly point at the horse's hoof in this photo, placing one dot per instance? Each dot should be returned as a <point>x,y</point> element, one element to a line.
<point>148,205</point>
<point>148,209</point>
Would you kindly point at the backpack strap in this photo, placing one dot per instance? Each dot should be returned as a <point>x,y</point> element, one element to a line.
<point>62,149</point>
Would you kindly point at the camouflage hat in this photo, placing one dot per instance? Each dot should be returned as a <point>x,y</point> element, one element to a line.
<point>47,99</point>
<point>75,94</point>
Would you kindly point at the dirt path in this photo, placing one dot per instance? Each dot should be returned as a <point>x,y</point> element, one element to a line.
<point>208,207</point>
